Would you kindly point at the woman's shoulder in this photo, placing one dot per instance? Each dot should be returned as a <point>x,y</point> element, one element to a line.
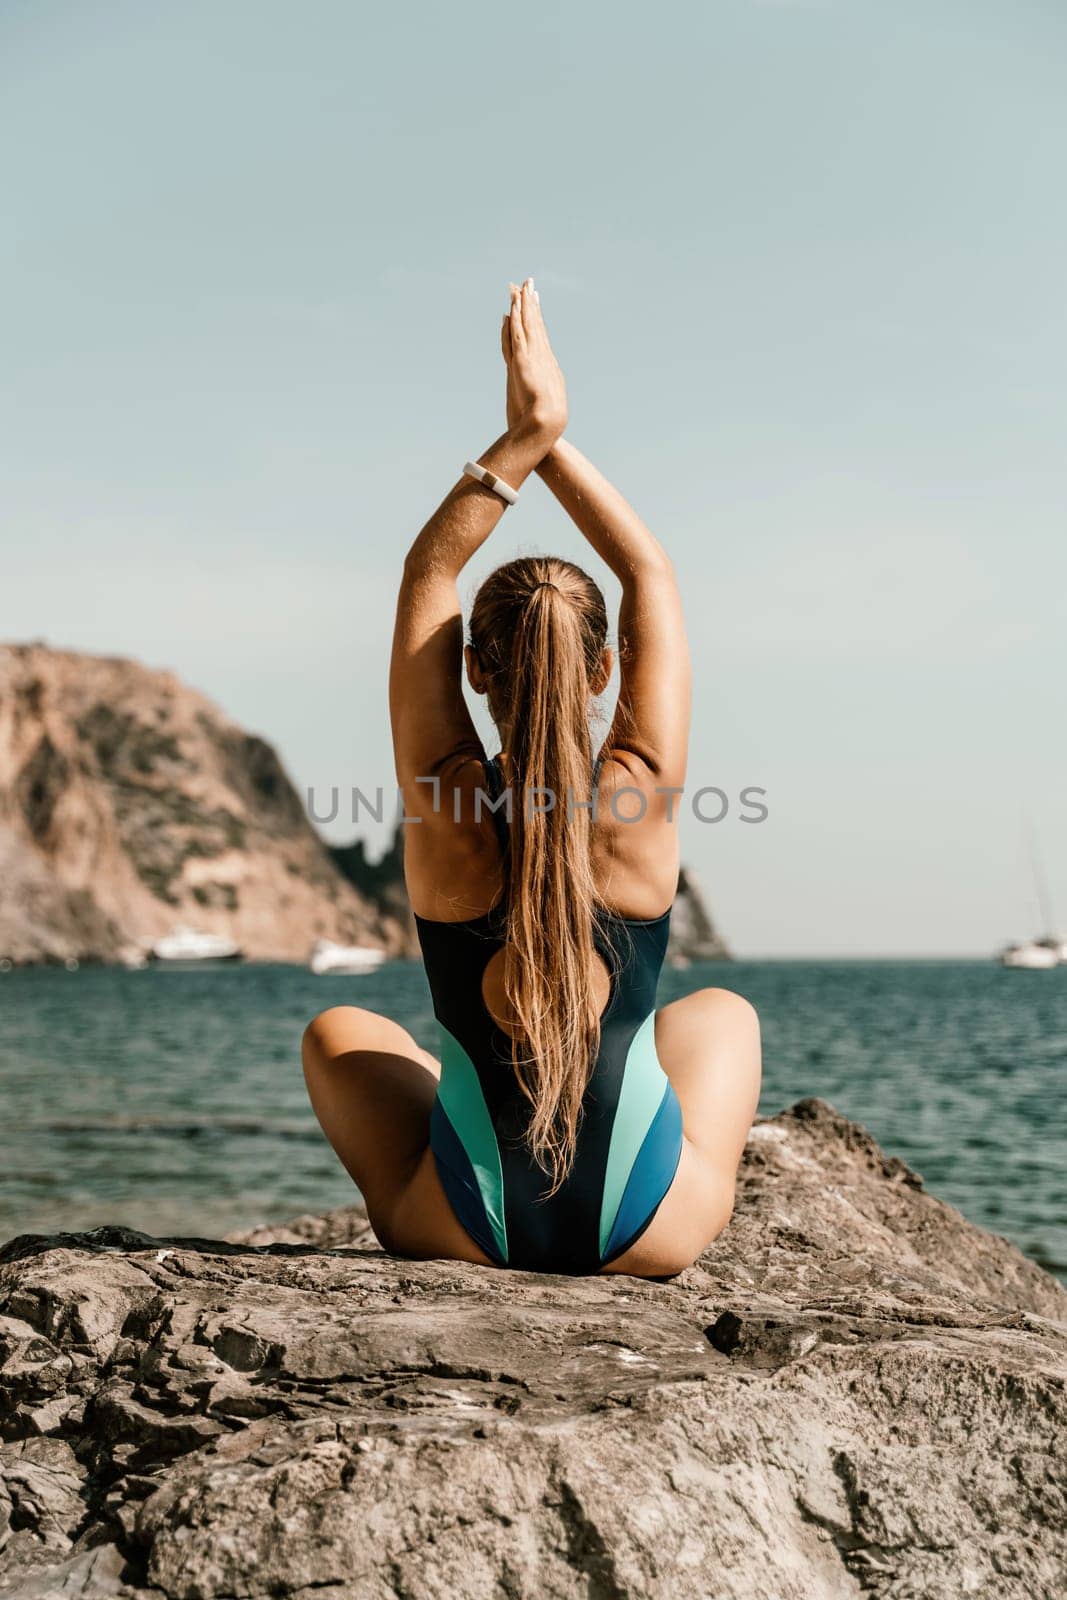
<point>453,854</point>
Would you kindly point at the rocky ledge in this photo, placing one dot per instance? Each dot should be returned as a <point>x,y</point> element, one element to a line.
<point>855,1391</point>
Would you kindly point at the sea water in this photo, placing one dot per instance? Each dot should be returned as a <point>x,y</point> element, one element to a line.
<point>173,1100</point>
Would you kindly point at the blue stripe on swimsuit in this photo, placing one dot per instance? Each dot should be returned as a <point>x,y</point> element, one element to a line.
<point>630,1134</point>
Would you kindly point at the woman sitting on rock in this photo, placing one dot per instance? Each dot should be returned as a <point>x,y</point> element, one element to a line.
<point>569,1125</point>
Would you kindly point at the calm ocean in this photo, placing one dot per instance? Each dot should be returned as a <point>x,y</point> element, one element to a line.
<point>173,1100</point>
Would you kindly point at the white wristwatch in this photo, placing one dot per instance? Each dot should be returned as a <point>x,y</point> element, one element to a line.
<point>472,469</point>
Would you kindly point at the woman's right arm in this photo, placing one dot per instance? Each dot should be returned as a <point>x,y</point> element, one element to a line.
<point>651,725</point>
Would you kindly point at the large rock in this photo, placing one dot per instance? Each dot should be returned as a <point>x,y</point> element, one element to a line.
<point>854,1392</point>
<point>129,803</point>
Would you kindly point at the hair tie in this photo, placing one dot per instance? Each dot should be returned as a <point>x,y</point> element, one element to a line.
<point>545,583</point>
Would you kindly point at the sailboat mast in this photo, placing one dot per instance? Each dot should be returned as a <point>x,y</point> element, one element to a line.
<point>1044,899</point>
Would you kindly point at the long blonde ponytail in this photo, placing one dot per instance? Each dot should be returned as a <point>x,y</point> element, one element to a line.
<point>539,627</point>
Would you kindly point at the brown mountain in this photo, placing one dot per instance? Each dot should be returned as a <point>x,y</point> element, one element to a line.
<point>129,803</point>
<point>694,936</point>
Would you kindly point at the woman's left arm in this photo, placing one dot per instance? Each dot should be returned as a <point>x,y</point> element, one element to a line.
<point>431,723</point>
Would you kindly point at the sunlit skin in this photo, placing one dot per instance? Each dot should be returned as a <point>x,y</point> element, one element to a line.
<point>371,1085</point>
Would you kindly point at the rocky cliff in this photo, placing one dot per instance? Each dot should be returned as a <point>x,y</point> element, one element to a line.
<point>381,882</point>
<point>694,936</point>
<point>854,1392</point>
<point>129,803</point>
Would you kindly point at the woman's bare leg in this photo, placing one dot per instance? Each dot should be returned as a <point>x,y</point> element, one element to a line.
<point>372,1088</point>
<point>709,1047</point>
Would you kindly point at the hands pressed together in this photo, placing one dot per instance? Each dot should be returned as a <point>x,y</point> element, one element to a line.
<point>536,393</point>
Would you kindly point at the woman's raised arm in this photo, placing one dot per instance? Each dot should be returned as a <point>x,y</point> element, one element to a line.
<point>431,723</point>
<point>651,726</point>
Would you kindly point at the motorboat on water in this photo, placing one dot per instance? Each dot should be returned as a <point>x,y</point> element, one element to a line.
<point>188,947</point>
<point>348,959</point>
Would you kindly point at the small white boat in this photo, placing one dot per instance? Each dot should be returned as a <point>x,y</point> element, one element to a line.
<point>188,947</point>
<point>1035,955</point>
<point>350,959</point>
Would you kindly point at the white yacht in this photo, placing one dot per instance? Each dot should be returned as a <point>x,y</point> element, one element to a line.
<point>1037,955</point>
<point>350,959</point>
<point>188,947</point>
<point>1033,954</point>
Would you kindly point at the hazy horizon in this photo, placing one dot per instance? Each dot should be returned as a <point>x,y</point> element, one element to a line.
<point>803,266</point>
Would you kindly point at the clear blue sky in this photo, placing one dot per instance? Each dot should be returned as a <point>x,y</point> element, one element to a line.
<point>804,265</point>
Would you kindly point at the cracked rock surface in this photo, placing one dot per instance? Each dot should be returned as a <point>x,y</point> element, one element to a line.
<point>853,1392</point>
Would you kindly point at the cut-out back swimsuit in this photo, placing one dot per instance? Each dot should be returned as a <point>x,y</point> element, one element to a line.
<point>630,1133</point>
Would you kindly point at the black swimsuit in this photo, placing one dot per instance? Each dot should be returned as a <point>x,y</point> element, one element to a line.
<point>630,1133</point>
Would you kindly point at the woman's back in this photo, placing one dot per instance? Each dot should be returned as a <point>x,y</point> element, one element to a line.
<point>629,1133</point>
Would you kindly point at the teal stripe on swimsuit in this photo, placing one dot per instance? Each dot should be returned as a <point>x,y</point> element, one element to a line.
<point>640,1097</point>
<point>463,1102</point>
